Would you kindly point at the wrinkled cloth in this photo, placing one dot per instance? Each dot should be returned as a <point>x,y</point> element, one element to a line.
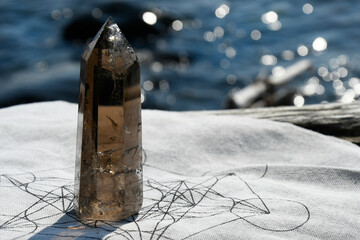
<point>204,176</point>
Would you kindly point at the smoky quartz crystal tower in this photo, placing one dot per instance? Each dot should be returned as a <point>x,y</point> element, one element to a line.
<point>108,177</point>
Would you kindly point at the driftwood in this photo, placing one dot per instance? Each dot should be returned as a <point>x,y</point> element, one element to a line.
<point>335,119</point>
<point>253,95</point>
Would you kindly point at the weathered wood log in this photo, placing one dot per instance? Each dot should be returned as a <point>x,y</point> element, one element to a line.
<point>335,119</point>
<point>249,95</point>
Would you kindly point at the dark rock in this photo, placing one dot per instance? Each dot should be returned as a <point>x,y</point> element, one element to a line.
<point>82,28</point>
<point>128,17</point>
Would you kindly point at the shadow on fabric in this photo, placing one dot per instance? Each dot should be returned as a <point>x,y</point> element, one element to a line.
<point>69,227</point>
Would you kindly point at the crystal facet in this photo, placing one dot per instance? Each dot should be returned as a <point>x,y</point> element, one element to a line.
<point>108,174</point>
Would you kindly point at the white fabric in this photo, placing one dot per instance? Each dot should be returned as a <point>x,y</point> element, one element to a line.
<point>205,177</point>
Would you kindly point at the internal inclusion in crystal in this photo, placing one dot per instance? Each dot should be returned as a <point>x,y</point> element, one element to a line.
<point>108,172</point>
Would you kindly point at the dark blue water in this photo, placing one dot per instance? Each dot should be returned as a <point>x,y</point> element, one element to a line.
<point>195,53</point>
